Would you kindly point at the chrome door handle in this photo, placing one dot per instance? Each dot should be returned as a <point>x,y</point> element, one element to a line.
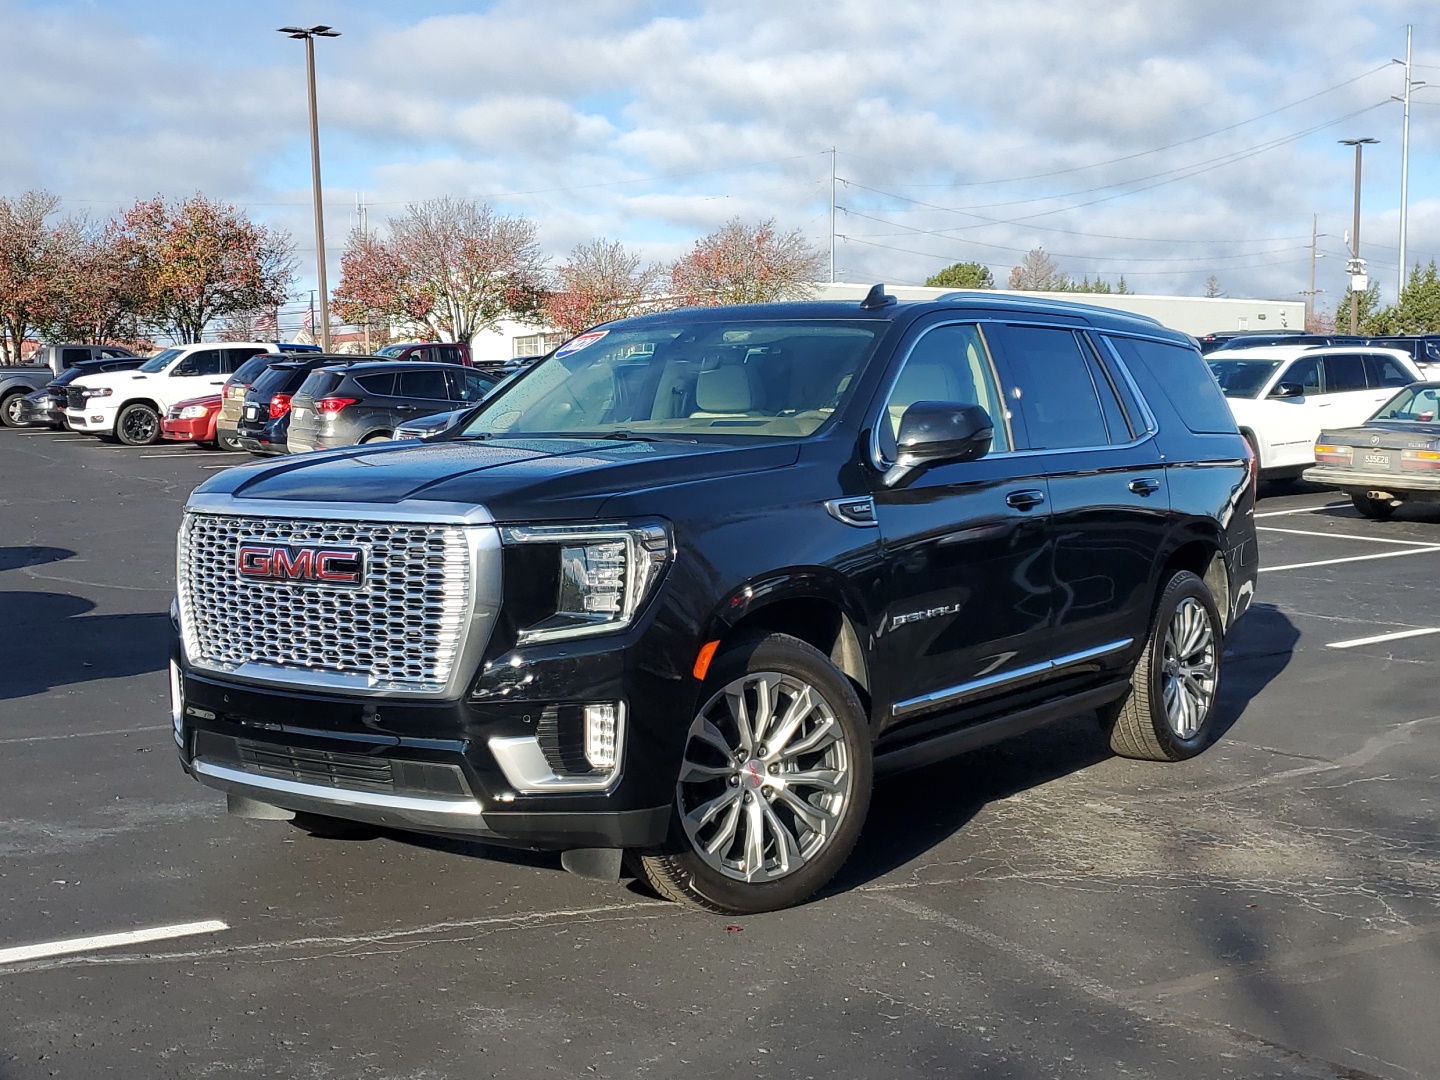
<point>1145,486</point>
<point>1025,500</point>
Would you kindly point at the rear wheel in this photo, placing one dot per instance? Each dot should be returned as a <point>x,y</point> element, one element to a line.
<point>379,436</point>
<point>138,425</point>
<point>1169,712</point>
<point>1377,509</point>
<point>774,784</point>
<point>10,409</point>
<point>226,442</point>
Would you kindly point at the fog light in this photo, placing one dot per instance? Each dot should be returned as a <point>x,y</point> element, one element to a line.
<point>177,704</point>
<point>602,734</point>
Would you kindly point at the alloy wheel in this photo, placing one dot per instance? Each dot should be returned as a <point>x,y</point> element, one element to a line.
<point>140,426</point>
<point>766,777</point>
<point>1188,668</point>
<point>12,410</point>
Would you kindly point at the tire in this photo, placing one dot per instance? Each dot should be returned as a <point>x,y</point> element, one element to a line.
<point>378,436</point>
<point>138,425</point>
<point>1375,509</point>
<point>227,442</point>
<point>10,409</point>
<point>1164,716</point>
<point>724,803</point>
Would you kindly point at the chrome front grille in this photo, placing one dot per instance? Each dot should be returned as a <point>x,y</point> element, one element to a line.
<point>402,631</point>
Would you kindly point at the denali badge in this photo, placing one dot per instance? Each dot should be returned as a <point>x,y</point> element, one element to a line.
<point>337,566</point>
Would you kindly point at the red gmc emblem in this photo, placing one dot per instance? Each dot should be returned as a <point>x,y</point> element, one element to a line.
<point>343,567</point>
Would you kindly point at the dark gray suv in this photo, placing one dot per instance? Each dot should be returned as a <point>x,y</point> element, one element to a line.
<point>365,403</point>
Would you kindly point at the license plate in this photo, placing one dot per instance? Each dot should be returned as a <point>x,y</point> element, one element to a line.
<point>297,413</point>
<point>252,412</point>
<point>1381,460</point>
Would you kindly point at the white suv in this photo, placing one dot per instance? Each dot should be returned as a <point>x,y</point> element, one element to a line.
<point>1282,395</point>
<point>129,404</point>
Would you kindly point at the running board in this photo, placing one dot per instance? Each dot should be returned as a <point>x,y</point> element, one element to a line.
<point>951,743</point>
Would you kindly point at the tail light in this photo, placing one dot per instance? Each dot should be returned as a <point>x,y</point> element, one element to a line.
<point>1423,460</point>
<point>1252,467</point>
<point>234,389</point>
<point>329,406</point>
<point>279,406</point>
<point>1327,454</point>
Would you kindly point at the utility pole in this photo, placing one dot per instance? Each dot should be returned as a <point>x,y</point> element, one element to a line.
<point>1410,84</point>
<point>1314,255</point>
<point>365,239</point>
<point>832,215</point>
<point>1358,280</point>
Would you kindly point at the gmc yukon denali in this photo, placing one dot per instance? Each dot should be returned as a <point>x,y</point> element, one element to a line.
<point>674,596</point>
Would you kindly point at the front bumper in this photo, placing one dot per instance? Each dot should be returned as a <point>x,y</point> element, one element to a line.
<point>1412,486</point>
<point>45,411</point>
<point>196,430</point>
<point>92,420</point>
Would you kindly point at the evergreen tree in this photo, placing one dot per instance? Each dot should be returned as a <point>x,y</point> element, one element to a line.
<point>963,275</point>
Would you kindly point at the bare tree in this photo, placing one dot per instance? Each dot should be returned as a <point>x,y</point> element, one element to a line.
<point>1037,272</point>
<point>1212,286</point>
<point>30,265</point>
<point>744,264</point>
<point>602,280</point>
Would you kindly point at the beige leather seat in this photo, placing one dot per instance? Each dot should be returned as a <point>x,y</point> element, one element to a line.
<point>726,391</point>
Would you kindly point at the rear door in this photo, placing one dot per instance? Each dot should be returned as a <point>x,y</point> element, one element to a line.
<point>420,391</point>
<point>1350,399</point>
<point>966,544</point>
<point>1109,494</point>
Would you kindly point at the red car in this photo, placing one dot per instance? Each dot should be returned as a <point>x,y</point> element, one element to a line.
<point>193,421</point>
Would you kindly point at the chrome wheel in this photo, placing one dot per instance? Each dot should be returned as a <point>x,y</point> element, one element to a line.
<point>1188,668</point>
<point>766,777</point>
<point>13,405</point>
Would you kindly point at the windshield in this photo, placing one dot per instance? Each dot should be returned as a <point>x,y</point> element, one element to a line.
<point>160,361</point>
<point>1241,378</point>
<point>1414,405</point>
<point>686,377</point>
<point>391,350</point>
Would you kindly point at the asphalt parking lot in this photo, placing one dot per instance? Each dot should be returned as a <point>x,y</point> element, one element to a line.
<point>1039,909</point>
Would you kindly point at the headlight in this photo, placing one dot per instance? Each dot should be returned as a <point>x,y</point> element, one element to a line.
<point>97,391</point>
<point>192,412</point>
<point>575,581</point>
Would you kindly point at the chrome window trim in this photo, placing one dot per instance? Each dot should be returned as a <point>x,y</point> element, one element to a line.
<point>1152,426</point>
<point>953,694</point>
<point>337,796</point>
<point>877,457</point>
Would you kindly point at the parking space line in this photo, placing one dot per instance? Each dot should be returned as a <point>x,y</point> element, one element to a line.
<point>1347,536</point>
<point>83,734</point>
<point>1351,558</point>
<point>1378,638</point>
<point>70,946</point>
<point>1301,510</point>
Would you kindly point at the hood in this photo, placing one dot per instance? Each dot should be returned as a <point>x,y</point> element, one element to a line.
<point>1390,434</point>
<point>516,479</point>
<point>115,379</point>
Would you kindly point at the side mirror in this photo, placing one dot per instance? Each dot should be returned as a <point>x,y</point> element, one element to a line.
<point>939,432</point>
<point>1287,390</point>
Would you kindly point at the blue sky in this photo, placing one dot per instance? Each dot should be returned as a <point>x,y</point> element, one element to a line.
<point>1167,140</point>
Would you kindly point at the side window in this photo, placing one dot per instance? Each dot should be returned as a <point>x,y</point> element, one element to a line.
<point>423,384</point>
<point>1344,372</point>
<point>466,385</point>
<point>947,363</point>
<point>449,354</point>
<point>1304,373</point>
<point>382,385</point>
<point>71,357</point>
<point>1383,371</point>
<point>235,357</point>
<point>203,362</point>
<point>1048,376</point>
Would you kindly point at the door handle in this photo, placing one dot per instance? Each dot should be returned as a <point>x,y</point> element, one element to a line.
<point>1025,500</point>
<point>1145,486</point>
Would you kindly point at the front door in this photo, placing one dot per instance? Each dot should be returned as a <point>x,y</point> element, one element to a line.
<point>966,544</point>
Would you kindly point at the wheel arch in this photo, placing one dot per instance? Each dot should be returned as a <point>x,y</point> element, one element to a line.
<point>1204,557</point>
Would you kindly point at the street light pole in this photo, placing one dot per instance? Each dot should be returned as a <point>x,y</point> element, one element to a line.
<point>1357,267</point>
<point>308,35</point>
<point>1410,84</point>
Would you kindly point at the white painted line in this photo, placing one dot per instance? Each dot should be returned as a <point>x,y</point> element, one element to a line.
<point>1347,536</point>
<point>84,734</point>
<point>1378,638</point>
<point>182,453</point>
<point>1301,510</point>
<point>213,467</point>
<point>1352,558</point>
<point>70,946</point>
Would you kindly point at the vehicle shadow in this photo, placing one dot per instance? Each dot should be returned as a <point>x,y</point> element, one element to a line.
<point>1259,648</point>
<point>13,558</point>
<point>50,640</point>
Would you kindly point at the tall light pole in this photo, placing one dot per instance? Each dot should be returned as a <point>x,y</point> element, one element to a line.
<point>308,35</point>
<point>1357,265</point>
<point>1410,84</point>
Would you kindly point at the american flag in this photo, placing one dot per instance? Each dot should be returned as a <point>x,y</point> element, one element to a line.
<point>266,323</point>
<point>309,322</point>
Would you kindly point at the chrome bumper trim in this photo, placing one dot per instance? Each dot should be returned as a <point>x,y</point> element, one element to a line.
<point>275,787</point>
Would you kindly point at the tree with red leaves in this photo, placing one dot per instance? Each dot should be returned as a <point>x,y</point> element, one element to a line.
<point>199,261</point>
<point>602,280</point>
<point>743,264</point>
<point>450,267</point>
<point>30,261</point>
<point>97,292</point>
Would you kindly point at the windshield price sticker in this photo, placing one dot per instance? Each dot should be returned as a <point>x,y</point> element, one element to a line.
<point>584,341</point>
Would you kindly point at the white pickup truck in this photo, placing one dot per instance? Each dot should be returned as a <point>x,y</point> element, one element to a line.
<point>128,405</point>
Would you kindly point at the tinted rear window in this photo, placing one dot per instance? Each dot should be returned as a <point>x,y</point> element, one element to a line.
<point>279,379</point>
<point>319,383</point>
<point>251,369</point>
<point>1185,380</point>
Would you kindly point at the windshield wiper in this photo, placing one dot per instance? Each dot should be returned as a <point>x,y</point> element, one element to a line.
<point>631,436</point>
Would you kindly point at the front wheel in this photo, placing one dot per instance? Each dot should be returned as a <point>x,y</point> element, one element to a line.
<point>774,785</point>
<point>1375,509</point>
<point>138,425</point>
<point>1169,712</point>
<point>10,409</point>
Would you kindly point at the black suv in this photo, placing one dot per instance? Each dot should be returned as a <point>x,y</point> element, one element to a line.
<point>682,588</point>
<point>264,419</point>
